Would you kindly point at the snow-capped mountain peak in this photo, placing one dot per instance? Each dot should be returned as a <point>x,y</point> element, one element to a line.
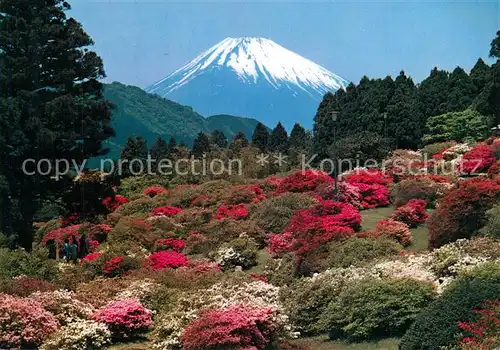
<point>252,59</point>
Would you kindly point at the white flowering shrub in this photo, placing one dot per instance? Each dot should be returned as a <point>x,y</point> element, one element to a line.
<point>241,251</point>
<point>140,290</point>
<point>64,305</point>
<point>81,334</point>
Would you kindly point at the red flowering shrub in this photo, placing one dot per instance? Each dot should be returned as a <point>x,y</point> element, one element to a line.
<point>166,211</point>
<point>412,213</point>
<point>154,190</point>
<point>112,203</point>
<point>396,230</point>
<point>462,211</point>
<point>485,333</point>
<point>202,266</point>
<point>61,234</point>
<point>236,212</point>
<point>303,181</point>
<point>25,285</point>
<point>245,194</point>
<point>310,228</point>
<point>346,193</point>
<point>99,232</point>
<point>93,244</point>
<point>368,176</point>
<point>271,183</point>
<point>24,323</point>
<point>119,266</point>
<point>125,318</point>
<point>237,327</point>
<point>166,259</point>
<point>71,219</point>
<point>477,160</point>
<point>494,171</point>
<point>90,258</point>
<point>175,244</point>
<point>259,277</point>
<point>373,195</point>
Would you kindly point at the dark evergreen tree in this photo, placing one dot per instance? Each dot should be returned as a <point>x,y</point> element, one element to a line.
<point>461,91</point>
<point>134,156</point>
<point>433,93</point>
<point>323,124</point>
<point>172,144</point>
<point>298,137</point>
<point>238,142</point>
<point>51,103</point>
<point>405,122</point>
<point>260,137</point>
<point>201,145</point>
<point>159,150</point>
<point>218,138</point>
<point>480,74</point>
<point>278,140</point>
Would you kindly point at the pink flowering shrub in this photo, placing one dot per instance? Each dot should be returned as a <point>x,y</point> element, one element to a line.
<point>202,266</point>
<point>154,190</point>
<point>346,193</point>
<point>373,195</point>
<point>477,160</point>
<point>175,244</point>
<point>368,176</point>
<point>71,219</point>
<point>24,323</point>
<point>236,327</point>
<point>90,258</point>
<point>396,230</point>
<point>125,319</point>
<point>112,203</point>
<point>236,212</point>
<point>24,285</point>
<point>166,259</point>
<point>485,333</point>
<point>98,232</point>
<point>166,211</point>
<point>303,181</point>
<point>412,213</point>
<point>59,235</point>
<point>310,228</point>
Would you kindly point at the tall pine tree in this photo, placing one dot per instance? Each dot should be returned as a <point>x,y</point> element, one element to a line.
<point>218,138</point>
<point>134,156</point>
<point>433,93</point>
<point>201,145</point>
<point>260,137</point>
<point>51,103</point>
<point>278,140</point>
<point>159,149</point>
<point>462,91</point>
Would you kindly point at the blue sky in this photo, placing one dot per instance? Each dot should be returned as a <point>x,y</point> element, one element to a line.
<point>143,41</point>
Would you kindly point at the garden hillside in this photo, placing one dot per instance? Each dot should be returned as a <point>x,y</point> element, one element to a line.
<point>384,258</point>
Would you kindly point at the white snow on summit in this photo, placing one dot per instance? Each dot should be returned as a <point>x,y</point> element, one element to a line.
<point>253,59</point>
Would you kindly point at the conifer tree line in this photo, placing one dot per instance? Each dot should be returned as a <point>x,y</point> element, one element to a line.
<point>408,113</point>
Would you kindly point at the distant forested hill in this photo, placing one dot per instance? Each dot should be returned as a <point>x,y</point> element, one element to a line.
<point>139,113</point>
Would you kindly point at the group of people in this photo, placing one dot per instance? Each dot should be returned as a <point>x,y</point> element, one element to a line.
<point>72,249</point>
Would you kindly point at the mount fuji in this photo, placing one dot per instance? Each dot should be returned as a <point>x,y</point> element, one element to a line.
<point>251,77</point>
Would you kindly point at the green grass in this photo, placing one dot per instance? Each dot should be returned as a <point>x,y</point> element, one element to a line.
<point>371,216</point>
<point>322,343</point>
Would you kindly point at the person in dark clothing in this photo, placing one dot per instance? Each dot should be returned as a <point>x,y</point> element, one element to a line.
<point>74,250</point>
<point>51,244</point>
<point>83,247</point>
<point>67,250</point>
<point>13,243</point>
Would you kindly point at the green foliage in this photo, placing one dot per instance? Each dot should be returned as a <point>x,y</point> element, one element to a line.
<point>278,140</point>
<point>201,145</point>
<point>373,308</point>
<point>160,149</point>
<point>468,125</point>
<point>281,272</point>
<point>218,139</point>
<point>437,326</point>
<point>492,226</point>
<point>416,188</point>
<point>433,148</point>
<point>363,146</point>
<point>133,187</point>
<point>357,251</point>
<point>274,213</point>
<point>260,137</point>
<point>35,264</point>
<point>49,79</point>
<point>133,154</point>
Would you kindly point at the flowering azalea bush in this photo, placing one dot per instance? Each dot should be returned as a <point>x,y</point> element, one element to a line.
<point>166,211</point>
<point>154,190</point>
<point>303,181</point>
<point>24,323</point>
<point>373,195</point>
<point>175,244</point>
<point>412,213</point>
<point>63,305</point>
<point>112,203</point>
<point>245,194</point>
<point>59,235</point>
<point>125,319</point>
<point>90,258</point>
<point>118,266</point>
<point>236,212</point>
<point>346,193</point>
<point>462,211</point>
<point>81,334</point>
<point>23,285</point>
<point>477,160</point>
<point>202,266</point>
<point>367,176</point>
<point>166,260</point>
<point>396,230</point>
<point>485,333</point>
<point>237,326</point>
<point>310,228</point>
